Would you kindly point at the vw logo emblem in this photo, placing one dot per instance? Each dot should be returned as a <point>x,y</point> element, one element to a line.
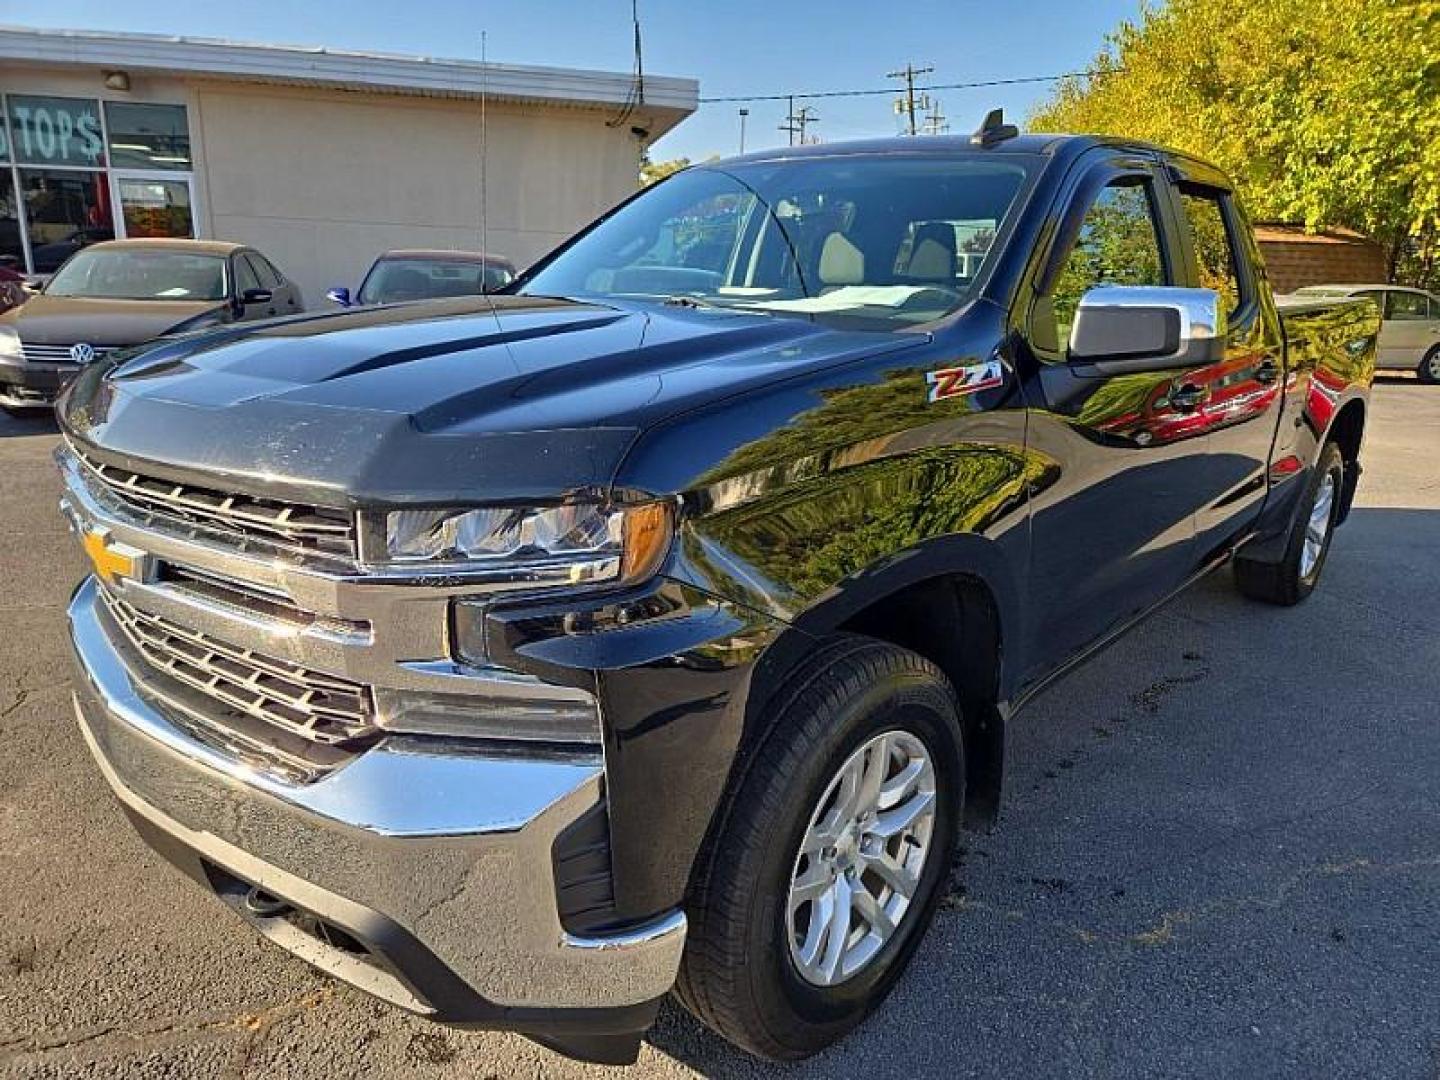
<point>82,353</point>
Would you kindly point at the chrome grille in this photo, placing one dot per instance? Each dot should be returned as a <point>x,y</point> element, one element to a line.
<point>33,350</point>
<point>312,528</point>
<point>320,709</point>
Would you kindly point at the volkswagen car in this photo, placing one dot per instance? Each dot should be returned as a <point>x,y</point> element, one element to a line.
<point>126,292</point>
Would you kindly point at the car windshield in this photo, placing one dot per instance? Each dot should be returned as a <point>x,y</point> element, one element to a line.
<point>391,281</point>
<point>135,274</point>
<point>870,240</point>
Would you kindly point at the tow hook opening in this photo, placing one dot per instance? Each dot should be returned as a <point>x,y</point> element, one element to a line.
<point>261,904</point>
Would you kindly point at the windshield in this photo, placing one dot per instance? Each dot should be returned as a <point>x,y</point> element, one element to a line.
<point>869,240</point>
<point>393,280</point>
<point>135,274</point>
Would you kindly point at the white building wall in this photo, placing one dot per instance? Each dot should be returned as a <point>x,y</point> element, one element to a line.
<point>322,182</point>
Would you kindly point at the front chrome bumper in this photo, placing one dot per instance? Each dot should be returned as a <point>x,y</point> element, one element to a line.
<point>434,858</point>
<point>27,384</point>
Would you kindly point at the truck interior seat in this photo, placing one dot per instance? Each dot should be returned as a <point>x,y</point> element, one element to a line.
<point>841,263</point>
<point>932,256</point>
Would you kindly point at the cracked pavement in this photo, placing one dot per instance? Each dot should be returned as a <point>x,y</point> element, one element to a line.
<point>1219,855</point>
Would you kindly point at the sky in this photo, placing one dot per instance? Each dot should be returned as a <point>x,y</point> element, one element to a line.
<point>734,47</point>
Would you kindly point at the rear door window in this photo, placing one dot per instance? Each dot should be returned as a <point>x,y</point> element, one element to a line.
<point>1217,257</point>
<point>1406,306</point>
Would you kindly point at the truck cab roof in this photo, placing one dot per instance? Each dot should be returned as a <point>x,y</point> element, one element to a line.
<point>1049,145</point>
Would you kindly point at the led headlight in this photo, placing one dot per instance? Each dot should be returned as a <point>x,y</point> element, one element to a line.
<point>595,543</point>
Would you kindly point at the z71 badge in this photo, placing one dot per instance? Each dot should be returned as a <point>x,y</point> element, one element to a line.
<point>960,381</point>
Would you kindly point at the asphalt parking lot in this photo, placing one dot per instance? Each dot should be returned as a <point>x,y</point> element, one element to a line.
<point>1219,856</point>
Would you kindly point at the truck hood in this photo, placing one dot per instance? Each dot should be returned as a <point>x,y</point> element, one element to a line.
<point>436,402</point>
<point>65,320</point>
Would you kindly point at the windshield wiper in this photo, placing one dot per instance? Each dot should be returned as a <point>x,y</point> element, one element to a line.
<point>687,301</point>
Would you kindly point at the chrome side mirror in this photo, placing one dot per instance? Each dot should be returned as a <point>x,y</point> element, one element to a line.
<point>1124,328</point>
<point>338,295</point>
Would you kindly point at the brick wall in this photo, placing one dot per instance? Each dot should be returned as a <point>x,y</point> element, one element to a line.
<point>1294,258</point>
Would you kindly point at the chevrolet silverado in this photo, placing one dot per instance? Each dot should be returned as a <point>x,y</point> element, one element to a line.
<point>656,624</point>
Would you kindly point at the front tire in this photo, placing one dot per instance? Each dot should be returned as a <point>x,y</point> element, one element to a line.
<point>1429,369</point>
<point>1294,577</point>
<point>830,853</point>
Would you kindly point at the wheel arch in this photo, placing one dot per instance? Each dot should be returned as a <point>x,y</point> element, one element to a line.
<point>1347,432</point>
<point>953,603</point>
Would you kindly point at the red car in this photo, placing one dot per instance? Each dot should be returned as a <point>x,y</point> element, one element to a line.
<point>12,288</point>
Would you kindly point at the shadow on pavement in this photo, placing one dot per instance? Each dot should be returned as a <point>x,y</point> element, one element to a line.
<point>38,422</point>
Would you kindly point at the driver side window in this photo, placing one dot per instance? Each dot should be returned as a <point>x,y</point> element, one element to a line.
<point>1119,244</point>
<point>245,278</point>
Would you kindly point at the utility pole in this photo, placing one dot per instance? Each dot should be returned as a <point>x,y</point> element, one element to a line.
<point>936,122</point>
<point>743,114</point>
<point>791,126</point>
<point>797,121</point>
<point>907,104</point>
<point>805,117</point>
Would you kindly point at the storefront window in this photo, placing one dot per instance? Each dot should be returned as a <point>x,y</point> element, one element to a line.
<point>147,136</point>
<point>56,131</point>
<point>155,207</point>
<point>12,252</point>
<point>75,171</point>
<point>65,210</point>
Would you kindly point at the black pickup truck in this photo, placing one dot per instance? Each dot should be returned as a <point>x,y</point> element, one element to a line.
<point>657,624</point>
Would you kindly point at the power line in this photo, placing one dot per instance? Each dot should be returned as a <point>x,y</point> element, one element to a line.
<point>803,95</point>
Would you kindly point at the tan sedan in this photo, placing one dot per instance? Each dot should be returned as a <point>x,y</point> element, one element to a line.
<point>1410,332</point>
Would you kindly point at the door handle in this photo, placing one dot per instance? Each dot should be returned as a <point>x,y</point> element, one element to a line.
<point>1189,397</point>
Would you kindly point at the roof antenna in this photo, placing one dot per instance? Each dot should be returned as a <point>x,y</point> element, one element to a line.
<point>993,129</point>
<point>484,154</point>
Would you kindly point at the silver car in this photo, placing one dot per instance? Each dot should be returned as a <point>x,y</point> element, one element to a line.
<point>1410,332</point>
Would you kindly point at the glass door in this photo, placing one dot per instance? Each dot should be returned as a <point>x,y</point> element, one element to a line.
<point>153,204</point>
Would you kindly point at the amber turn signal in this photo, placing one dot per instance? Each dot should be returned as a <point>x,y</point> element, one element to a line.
<point>647,533</point>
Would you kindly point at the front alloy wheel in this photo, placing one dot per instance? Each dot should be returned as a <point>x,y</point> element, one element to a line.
<point>829,853</point>
<point>861,859</point>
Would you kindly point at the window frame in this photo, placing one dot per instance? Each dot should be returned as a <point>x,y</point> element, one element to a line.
<point>1247,306</point>
<point>236,260</point>
<point>266,264</point>
<point>259,267</point>
<point>1391,294</point>
<point>1073,204</point>
<point>10,163</point>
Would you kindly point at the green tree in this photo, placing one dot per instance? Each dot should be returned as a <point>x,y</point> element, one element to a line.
<point>651,171</point>
<point>1324,111</point>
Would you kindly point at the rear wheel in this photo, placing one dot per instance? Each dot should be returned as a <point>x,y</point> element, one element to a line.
<point>1429,369</point>
<point>830,855</point>
<point>1293,578</point>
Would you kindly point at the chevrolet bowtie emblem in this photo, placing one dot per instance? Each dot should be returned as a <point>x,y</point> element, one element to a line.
<point>112,560</point>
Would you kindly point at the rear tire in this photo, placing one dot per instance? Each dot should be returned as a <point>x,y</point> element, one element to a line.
<point>1294,577</point>
<point>1429,369</point>
<point>770,863</point>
